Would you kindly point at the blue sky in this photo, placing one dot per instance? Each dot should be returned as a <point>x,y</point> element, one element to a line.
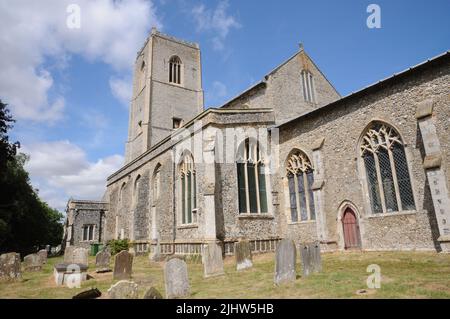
<point>68,88</point>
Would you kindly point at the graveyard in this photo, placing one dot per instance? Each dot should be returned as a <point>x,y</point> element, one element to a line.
<point>343,275</point>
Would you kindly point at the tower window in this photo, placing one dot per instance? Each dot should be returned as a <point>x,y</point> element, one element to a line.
<point>177,122</point>
<point>175,70</point>
<point>308,87</point>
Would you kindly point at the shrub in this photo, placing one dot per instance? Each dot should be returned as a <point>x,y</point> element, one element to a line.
<point>117,245</point>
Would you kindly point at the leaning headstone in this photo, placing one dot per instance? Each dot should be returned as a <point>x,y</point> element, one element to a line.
<point>10,267</point>
<point>152,293</point>
<point>102,260</point>
<point>123,289</point>
<point>92,293</point>
<point>43,254</point>
<point>32,262</point>
<point>285,257</point>
<point>306,260</point>
<point>243,254</point>
<point>212,260</point>
<point>176,279</point>
<point>123,265</point>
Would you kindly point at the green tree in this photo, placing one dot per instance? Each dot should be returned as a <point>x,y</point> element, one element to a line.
<point>26,222</point>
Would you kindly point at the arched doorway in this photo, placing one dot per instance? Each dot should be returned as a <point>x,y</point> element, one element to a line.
<point>350,227</point>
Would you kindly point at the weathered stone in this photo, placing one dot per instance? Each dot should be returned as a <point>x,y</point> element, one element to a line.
<point>92,293</point>
<point>316,257</point>
<point>76,255</point>
<point>70,274</point>
<point>32,262</point>
<point>10,267</point>
<point>310,258</point>
<point>123,265</point>
<point>285,262</point>
<point>153,293</point>
<point>102,261</point>
<point>43,255</point>
<point>123,289</point>
<point>212,260</point>
<point>176,279</point>
<point>243,255</point>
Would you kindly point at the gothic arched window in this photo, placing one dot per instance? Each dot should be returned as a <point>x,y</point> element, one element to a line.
<point>251,178</point>
<point>175,70</point>
<point>300,177</point>
<point>387,173</point>
<point>188,189</point>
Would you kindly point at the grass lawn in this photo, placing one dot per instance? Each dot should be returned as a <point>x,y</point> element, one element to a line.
<point>404,275</point>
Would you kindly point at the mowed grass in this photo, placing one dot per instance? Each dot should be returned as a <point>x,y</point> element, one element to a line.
<point>404,275</point>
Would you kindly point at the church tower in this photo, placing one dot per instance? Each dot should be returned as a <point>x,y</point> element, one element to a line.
<point>167,91</point>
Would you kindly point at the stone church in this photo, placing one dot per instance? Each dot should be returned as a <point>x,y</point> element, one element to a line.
<point>287,158</point>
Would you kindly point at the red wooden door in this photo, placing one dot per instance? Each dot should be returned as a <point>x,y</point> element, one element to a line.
<point>351,230</point>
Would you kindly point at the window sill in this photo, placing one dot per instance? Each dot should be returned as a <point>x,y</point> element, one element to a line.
<point>312,221</point>
<point>256,216</point>
<point>402,213</point>
<point>187,226</point>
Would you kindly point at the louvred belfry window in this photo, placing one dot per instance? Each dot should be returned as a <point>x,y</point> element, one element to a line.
<point>387,174</point>
<point>175,70</point>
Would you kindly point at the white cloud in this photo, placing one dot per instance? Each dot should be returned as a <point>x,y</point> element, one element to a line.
<point>34,32</point>
<point>121,89</point>
<point>61,170</point>
<point>217,22</point>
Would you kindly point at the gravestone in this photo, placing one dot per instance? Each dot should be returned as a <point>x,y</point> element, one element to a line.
<point>176,279</point>
<point>243,254</point>
<point>68,254</point>
<point>123,265</point>
<point>285,258</point>
<point>305,257</point>
<point>212,260</point>
<point>123,289</point>
<point>43,254</point>
<point>156,255</point>
<point>10,267</point>
<point>316,257</point>
<point>102,260</point>
<point>32,262</point>
<point>80,256</point>
<point>152,293</point>
<point>76,255</point>
<point>310,258</point>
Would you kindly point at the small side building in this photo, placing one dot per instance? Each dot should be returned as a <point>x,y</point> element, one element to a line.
<point>85,222</point>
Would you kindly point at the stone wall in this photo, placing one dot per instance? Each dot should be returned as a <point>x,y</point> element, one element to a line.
<point>341,125</point>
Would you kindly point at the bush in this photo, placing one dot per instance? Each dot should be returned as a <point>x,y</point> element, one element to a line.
<point>117,245</point>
